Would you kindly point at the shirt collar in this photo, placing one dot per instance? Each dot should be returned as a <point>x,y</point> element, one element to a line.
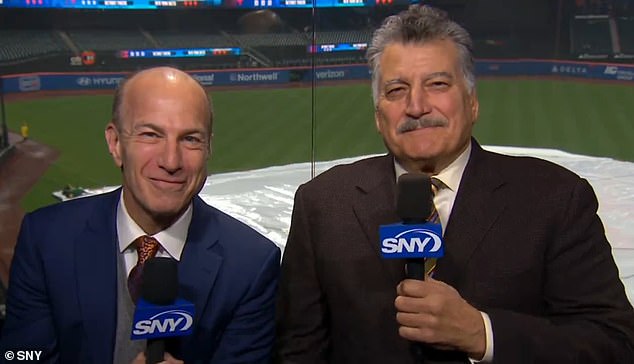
<point>172,239</point>
<point>451,175</point>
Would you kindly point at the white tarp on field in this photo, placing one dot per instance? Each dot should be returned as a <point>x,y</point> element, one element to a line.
<point>263,198</point>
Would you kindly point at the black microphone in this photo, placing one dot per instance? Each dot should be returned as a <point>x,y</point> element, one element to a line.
<point>160,281</point>
<point>413,206</point>
<point>159,287</point>
<point>159,314</point>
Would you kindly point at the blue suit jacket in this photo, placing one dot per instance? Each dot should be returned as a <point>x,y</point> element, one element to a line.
<point>62,295</point>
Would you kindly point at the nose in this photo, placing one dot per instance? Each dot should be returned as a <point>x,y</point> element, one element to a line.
<point>417,103</point>
<point>171,158</point>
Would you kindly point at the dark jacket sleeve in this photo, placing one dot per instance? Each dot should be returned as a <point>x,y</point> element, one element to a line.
<point>588,318</point>
<point>250,335</point>
<point>302,332</point>
<point>29,321</point>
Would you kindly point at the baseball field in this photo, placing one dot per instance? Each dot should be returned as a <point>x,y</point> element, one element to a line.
<point>263,127</point>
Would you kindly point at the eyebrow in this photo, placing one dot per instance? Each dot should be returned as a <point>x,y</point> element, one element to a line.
<point>394,81</point>
<point>157,128</point>
<point>427,78</point>
<point>146,125</point>
<point>439,74</point>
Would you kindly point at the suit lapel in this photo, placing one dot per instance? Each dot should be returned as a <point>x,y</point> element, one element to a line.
<point>200,264</point>
<point>476,208</point>
<point>374,205</point>
<point>96,273</point>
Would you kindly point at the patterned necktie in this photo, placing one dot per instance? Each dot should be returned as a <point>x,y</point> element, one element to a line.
<point>146,248</point>
<point>436,185</point>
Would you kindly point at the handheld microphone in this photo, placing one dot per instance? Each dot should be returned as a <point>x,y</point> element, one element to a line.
<point>159,313</point>
<point>413,198</point>
<point>414,238</point>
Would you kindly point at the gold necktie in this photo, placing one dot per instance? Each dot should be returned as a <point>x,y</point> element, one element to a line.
<point>146,248</point>
<point>436,185</point>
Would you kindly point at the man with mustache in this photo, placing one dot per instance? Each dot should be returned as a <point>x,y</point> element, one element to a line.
<point>72,291</point>
<point>527,276</point>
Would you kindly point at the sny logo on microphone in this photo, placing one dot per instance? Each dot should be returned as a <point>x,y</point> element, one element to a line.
<point>411,240</point>
<point>153,321</point>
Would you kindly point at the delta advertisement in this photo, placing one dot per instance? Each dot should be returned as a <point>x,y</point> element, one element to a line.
<point>580,70</point>
<point>278,77</point>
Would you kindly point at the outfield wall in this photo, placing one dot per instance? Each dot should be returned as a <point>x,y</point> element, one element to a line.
<point>25,83</point>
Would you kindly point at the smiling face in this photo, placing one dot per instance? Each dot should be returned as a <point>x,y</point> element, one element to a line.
<point>425,112</point>
<point>162,145</point>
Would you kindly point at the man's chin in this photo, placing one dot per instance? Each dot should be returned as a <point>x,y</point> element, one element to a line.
<point>420,154</point>
<point>168,211</point>
<point>420,161</point>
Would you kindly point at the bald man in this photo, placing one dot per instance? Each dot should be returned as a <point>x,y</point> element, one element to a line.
<point>68,292</point>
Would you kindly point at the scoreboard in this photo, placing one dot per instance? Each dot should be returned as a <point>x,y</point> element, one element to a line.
<point>178,52</point>
<point>230,51</point>
<point>337,47</point>
<point>189,4</point>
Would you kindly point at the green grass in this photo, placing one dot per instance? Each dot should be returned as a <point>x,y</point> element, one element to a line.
<point>585,118</point>
<point>264,127</point>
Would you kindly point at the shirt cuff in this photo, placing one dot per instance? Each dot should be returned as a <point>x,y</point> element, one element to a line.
<point>488,329</point>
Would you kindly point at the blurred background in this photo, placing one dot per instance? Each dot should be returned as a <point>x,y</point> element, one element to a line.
<point>289,82</point>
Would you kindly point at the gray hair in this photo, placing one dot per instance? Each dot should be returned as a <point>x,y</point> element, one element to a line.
<point>420,24</point>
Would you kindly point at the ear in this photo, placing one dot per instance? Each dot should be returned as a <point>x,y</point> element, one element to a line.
<point>210,145</point>
<point>114,143</point>
<point>474,105</point>
<point>377,119</point>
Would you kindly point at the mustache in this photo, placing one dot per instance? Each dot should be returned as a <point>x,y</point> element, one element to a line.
<point>412,124</point>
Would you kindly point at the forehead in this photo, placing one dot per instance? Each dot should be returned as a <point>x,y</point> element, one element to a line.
<point>413,60</point>
<point>165,97</point>
<point>154,84</point>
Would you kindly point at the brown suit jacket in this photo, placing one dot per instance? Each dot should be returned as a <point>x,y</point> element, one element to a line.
<point>523,244</point>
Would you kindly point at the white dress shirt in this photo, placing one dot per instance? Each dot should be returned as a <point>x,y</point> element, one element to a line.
<point>172,239</point>
<point>443,201</point>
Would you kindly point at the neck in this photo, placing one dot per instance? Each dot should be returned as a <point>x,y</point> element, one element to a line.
<point>427,167</point>
<point>431,166</point>
<point>150,222</point>
<point>155,224</point>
